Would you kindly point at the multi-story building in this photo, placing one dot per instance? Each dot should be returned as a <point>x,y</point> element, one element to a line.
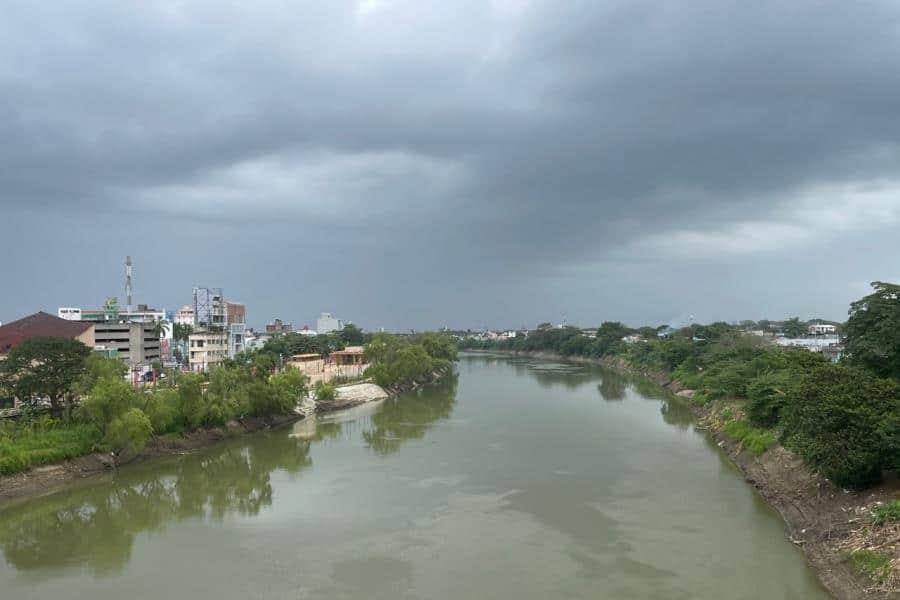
<point>279,326</point>
<point>327,323</point>
<point>112,312</point>
<point>185,316</point>
<point>206,348</point>
<point>136,344</point>
<point>822,329</point>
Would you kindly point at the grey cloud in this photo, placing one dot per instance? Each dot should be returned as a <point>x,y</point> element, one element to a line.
<point>545,150</point>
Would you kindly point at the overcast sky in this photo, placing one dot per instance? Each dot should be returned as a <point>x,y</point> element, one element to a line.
<point>419,164</point>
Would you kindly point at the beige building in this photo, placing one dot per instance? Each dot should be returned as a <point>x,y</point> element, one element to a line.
<point>206,348</point>
<point>309,364</point>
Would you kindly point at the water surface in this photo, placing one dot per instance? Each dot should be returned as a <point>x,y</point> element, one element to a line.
<point>515,479</point>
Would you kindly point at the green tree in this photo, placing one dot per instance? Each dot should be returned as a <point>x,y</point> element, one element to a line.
<point>794,328</point>
<point>108,399</point>
<point>181,332</point>
<point>46,367</point>
<point>351,335</point>
<point>873,330</point>
<point>98,367</point>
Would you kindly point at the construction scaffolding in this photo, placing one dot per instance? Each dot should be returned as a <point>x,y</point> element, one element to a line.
<point>209,309</point>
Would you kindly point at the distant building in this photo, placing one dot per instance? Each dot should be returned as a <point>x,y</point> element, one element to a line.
<point>351,355</point>
<point>185,316</point>
<point>43,324</point>
<point>822,329</point>
<point>279,326</point>
<point>135,344</point>
<point>327,323</point>
<point>235,312</point>
<point>206,348</point>
<point>309,363</point>
<point>112,312</point>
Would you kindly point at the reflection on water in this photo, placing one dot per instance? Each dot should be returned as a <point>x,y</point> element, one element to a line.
<point>94,527</point>
<point>410,415</point>
<point>550,480</point>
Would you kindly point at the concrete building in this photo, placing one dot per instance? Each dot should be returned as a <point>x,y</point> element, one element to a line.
<point>206,348</point>
<point>136,344</point>
<point>279,326</point>
<point>112,312</point>
<point>822,329</point>
<point>43,324</point>
<point>327,323</point>
<point>185,315</point>
<point>236,327</point>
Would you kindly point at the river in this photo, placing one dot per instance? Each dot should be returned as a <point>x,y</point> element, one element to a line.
<point>515,479</point>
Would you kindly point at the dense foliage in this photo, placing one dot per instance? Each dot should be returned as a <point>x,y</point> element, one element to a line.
<point>873,330</point>
<point>399,361</point>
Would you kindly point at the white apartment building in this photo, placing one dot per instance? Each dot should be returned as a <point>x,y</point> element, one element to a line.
<point>206,348</point>
<point>327,323</point>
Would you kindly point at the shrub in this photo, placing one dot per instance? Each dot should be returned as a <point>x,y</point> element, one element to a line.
<point>161,407</point>
<point>870,564</point>
<point>130,431</point>
<point>889,512</point>
<point>756,441</point>
<point>842,420</point>
<point>766,397</point>
<point>109,398</point>
<point>325,392</point>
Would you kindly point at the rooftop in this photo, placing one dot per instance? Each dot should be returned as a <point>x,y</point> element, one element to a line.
<point>40,324</point>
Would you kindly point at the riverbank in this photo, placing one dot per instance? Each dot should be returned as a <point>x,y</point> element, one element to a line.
<point>826,522</point>
<point>48,479</point>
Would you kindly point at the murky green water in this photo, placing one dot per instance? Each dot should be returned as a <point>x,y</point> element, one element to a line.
<point>516,480</point>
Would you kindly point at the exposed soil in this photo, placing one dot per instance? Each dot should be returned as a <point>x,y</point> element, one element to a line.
<point>824,520</point>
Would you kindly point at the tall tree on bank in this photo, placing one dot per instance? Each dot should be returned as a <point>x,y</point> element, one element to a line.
<point>45,367</point>
<point>351,335</point>
<point>873,330</point>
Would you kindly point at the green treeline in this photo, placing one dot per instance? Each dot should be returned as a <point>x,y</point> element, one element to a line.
<point>843,418</point>
<point>95,408</point>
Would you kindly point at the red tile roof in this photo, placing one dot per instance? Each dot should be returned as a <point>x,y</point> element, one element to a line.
<point>39,324</point>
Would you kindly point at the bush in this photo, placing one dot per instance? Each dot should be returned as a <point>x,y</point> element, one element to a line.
<point>889,512</point>
<point>161,407</point>
<point>130,431</point>
<point>756,441</point>
<point>870,564</point>
<point>108,399</point>
<point>842,420</point>
<point>325,392</point>
<point>766,397</point>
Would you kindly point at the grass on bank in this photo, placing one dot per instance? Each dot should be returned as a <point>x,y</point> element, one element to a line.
<point>755,440</point>
<point>870,564</point>
<point>23,446</point>
<point>887,513</point>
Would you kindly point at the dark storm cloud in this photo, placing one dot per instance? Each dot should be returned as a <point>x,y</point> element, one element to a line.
<point>462,154</point>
